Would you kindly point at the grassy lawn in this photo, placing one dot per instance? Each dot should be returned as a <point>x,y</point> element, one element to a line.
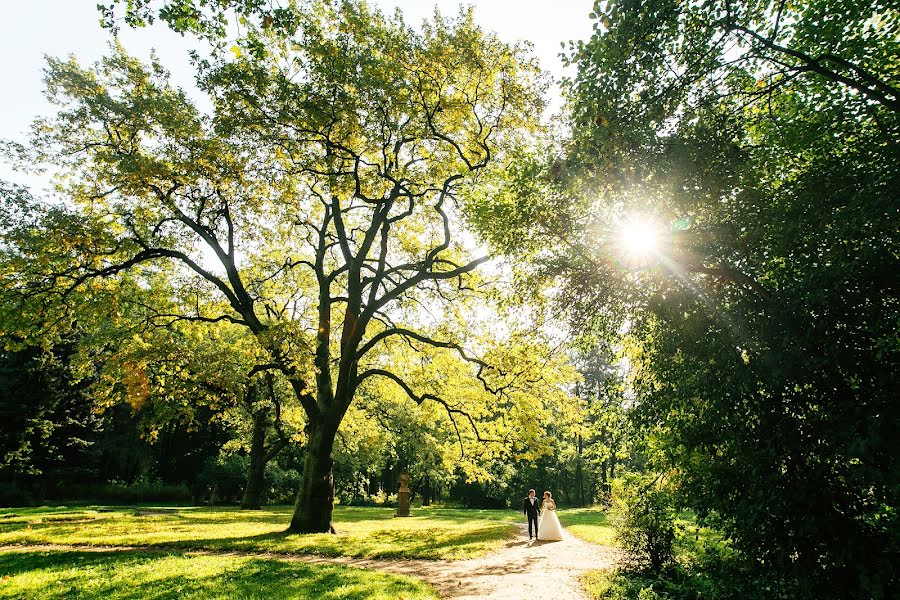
<point>433,533</point>
<point>589,524</point>
<point>149,575</point>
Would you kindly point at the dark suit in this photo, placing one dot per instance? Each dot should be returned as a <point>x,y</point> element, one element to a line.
<point>531,510</point>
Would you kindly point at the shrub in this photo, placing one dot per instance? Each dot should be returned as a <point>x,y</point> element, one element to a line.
<point>380,499</point>
<point>222,479</point>
<point>281,484</point>
<point>13,495</point>
<point>644,518</point>
<point>120,493</point>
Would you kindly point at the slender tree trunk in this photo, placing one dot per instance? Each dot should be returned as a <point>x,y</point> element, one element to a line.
<point>45,486</point>
<point>315,500</point>
<point>257,473</point>
<point>605,441</point>
<point>612,466</point>
<point>579,473</point>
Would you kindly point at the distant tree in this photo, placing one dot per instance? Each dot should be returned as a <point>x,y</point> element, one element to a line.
<point>603,441</point>
<point>178,373</point>
<point>48,421</point>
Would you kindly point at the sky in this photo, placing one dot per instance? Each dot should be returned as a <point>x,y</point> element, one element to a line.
<point>31,29</point>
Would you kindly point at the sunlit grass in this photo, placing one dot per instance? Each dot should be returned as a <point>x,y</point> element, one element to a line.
<point>589,524</point>
<point>611,584</point>
<point>144,575</point>
<point>693,539</point>
<point>432,533</point>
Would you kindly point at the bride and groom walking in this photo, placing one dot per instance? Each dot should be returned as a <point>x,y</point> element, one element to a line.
<point>546,525</point>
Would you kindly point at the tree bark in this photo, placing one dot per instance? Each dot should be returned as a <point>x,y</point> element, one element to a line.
<point>260,455</point>
<point>426,492</point>
<point>45,487</point>
<point>315,500</point>
<point>257,473</point>
<point>579,473</point>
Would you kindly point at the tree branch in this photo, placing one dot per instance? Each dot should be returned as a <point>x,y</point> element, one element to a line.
<point>881,92</point>
<point>420,398</point>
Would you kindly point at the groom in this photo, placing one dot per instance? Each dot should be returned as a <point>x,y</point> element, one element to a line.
<point>531,507</point>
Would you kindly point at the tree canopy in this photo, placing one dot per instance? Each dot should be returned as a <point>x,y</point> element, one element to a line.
<point>757,143</point>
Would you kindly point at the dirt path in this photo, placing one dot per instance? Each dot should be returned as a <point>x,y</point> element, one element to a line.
<point>520,569</point>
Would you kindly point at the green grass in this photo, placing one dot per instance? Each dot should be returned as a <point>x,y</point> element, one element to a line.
<point>159,575</point>
<point>694,540</point>
<point>594,525</point>
<point>589,524</point>
<point>613,584</point>
<point>433,533</point>
<point>676,583</point>
<point>705,568</point>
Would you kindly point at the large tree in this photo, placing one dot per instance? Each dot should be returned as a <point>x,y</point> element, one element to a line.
<point>318,201</point>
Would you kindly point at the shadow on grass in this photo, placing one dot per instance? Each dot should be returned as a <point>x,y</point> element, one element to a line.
<point>139,575</point>
<point>419,542</point>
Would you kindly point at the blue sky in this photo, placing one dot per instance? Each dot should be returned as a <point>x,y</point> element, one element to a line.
<point>34,28</point>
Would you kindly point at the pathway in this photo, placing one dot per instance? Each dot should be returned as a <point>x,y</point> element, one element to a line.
<point>521,569</point>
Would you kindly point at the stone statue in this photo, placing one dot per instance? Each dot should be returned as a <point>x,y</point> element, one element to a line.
<point>403,496</point>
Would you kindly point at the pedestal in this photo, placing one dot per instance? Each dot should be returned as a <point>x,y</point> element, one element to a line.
<point>403,496</point>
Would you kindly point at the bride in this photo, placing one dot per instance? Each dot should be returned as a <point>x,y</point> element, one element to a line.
<point>549,527</point>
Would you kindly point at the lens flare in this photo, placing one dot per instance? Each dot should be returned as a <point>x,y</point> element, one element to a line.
<point>640,240</point>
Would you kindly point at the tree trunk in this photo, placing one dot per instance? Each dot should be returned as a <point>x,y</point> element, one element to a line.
<point>315,500</point>
<point>257,473</point>
<point>426,492</point>
<point>45,486</point>
<point>579,473</point>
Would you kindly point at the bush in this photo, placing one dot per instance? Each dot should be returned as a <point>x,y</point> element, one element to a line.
<point>644,519</point>
<point>281,484</point>
<point>13,495</point>
<point>120,493</point>
<point>379,499</point>
<point>222,479</point>
<point>692,562</point>
<point>675,584</point>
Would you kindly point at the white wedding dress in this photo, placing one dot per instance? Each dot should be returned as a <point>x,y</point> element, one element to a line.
<point>549,528</point>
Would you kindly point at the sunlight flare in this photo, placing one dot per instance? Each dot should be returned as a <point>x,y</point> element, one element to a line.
<point>640,240</point>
